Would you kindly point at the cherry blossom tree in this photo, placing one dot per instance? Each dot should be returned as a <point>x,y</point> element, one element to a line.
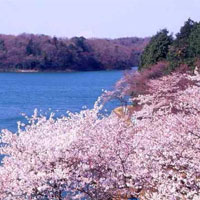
<point>156,155</point>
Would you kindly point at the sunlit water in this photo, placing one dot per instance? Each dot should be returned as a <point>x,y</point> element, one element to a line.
<point>23,92</point>
<point>51,92</point>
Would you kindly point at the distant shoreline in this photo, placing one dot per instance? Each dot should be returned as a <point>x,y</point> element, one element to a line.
<point>37,71</point>
<point>56,71</point>
<point>27,71</point>
<point>29,53</point>
<point>33,71</point>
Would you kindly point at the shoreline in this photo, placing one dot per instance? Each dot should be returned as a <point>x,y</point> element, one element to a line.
<point>56,71</point>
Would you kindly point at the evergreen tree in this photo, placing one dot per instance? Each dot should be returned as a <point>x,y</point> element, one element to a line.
<point>156,50</point>
<point>182,51</point>
<point>185,31</point>
<point>194,41</point>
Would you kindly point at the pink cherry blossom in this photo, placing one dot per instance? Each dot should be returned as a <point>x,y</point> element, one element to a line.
<point>156,156</point>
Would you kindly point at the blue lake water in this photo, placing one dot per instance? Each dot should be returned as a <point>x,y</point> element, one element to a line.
<point>23,92</point>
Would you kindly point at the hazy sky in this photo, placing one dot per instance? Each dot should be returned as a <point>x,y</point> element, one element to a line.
<point>95,18</point>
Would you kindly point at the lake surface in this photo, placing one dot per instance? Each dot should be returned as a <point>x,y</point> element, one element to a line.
<point>23,92</point>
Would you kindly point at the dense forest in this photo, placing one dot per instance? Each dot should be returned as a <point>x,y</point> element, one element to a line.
<point>45,53</point>
<point>179,51</point>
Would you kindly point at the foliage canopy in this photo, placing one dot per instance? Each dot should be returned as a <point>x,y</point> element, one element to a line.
<point>45,53</point>
<point>184,49</point>
<point>157,49</point>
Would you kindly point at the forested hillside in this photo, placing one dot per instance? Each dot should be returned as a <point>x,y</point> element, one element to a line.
<point>179,51</point>
<point>45,53</point>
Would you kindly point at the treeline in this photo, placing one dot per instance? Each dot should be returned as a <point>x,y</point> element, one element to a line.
<point>183,50</point>
<point>45,53</point>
